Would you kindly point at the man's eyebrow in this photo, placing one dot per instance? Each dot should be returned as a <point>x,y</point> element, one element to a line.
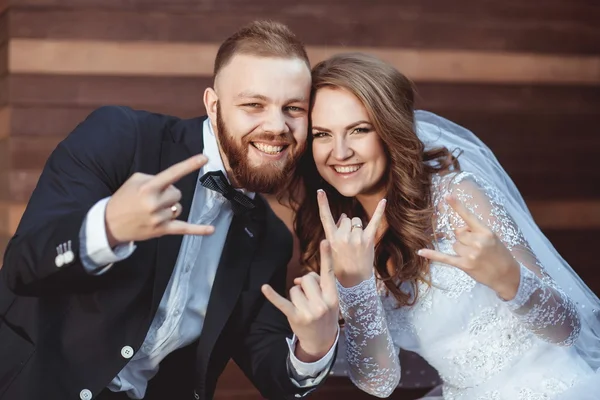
<point>254,95</point>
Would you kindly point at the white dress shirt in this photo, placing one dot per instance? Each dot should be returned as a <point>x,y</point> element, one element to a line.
<point>180,315</point>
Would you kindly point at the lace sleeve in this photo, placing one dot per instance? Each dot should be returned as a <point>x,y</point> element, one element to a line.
<point>373,361</point>
<point>542,306</point>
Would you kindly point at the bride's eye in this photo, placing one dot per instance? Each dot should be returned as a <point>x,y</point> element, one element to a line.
<point>317,135</point>
<point>361,130</point>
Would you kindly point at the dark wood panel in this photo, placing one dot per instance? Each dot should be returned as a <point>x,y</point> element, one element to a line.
<point>3,242</point>
<point>26,152</point>
<point>187,92</point>
<point>490,27</point>
<point>17,185</point>
<point>57,121</point>
<point>508,98</point>
<point>529,9</point>
<point>3,59</point>
<point>4,27</point>
<point>91,91</point>
<point>578,248</point>
<point>547,155</point>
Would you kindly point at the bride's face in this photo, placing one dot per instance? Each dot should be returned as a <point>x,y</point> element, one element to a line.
<point>346,148</point>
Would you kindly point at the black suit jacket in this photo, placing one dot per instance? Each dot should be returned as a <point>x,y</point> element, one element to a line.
<point>62,330</point>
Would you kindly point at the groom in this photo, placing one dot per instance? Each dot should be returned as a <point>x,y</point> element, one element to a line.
<point>136,270</point>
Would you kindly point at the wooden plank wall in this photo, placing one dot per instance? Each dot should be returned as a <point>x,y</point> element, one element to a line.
<point>525,76</point>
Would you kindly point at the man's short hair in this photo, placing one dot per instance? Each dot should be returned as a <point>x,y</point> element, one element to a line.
<point>264,39</point>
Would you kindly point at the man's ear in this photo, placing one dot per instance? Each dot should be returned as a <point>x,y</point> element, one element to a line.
<point>210,103</point>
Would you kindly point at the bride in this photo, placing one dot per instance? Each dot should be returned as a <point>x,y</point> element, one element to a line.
<point>450,265</point>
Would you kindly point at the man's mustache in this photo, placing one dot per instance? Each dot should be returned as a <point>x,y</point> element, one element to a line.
<point>278,140</point>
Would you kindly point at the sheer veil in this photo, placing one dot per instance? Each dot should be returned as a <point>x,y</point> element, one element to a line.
<point>477,158</point>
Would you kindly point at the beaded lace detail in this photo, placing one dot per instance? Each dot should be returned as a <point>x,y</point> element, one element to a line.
<point>486,335</point>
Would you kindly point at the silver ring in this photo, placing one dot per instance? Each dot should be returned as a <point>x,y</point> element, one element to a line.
<point>174,209</point>
<point>359,226</point>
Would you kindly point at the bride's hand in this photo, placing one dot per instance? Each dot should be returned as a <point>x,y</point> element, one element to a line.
<point>352,247</point>
<point>480,254</point>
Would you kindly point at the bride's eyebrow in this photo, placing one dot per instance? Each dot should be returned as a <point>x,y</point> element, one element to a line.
<point>352,125</point>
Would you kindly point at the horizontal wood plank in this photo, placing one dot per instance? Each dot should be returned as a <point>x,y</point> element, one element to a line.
<point>490,27</point>
<point>161,91</point>
<point>10,215</point>
<point>508,98</point>
<point>578,248</point>
<point>18,185</point>
<point>94,91</point>
<point>528,10</point>
<point>87,57</point>
<point>3,243</point>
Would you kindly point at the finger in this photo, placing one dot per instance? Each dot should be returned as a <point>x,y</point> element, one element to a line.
<point>169,196</point>
<point>177,171</point>
<point>311,288</point>
<point>166,214</point>
<point>340,220</point>
<point>325,214</point>
<point>327,272</point>
<point>462,250</point>
<point>356,224</point>
<point>470,219</point>
<point>443,258</point>
<point>345,227</point>
<point>299,299</point>
<point>176,227</point>
<point>468,238</point>
<point>356,230</point>
<point>298,280</point>
<point>282,304</point>
<point>376,219</point>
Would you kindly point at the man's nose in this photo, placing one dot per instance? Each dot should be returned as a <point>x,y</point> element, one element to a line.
<point>276,122</point>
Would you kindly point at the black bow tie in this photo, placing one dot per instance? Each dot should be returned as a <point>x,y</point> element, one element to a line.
<point>216,181</point>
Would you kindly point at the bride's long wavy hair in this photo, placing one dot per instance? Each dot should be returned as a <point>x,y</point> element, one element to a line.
<point>388,97</point>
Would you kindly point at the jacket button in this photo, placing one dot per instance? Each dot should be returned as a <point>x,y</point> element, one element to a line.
<point>127,352</point>
<point>59,261</point>
<point>69,257</point>
<point>85,394</point>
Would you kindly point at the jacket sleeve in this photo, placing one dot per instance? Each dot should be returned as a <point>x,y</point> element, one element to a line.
<point>43,257</point>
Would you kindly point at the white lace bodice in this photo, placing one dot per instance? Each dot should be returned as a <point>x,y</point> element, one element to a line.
<point>482,346</point>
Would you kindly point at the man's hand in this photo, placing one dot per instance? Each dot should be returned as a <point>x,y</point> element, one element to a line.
<point>146,206</point>
<point>313,309</point>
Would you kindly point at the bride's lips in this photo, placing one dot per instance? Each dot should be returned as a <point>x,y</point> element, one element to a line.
<point>346,170</point>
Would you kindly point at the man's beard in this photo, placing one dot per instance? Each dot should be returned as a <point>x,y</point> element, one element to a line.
<point>270,177</point>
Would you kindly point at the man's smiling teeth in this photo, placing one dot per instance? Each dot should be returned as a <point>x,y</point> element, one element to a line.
<point>346,169</point>
<point>267,148</point>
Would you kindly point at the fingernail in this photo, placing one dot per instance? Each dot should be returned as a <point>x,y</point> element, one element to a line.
<point>201,158</point>
<point>343,215</point>
<point>384,201</point>
<point>420,252</point>
<point>320,191</point>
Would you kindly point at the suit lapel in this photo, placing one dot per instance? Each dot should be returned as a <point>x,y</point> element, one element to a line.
<point>168,246</point>
<point>238,253</point>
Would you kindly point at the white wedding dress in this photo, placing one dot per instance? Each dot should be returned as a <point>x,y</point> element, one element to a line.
<point>484,348</point>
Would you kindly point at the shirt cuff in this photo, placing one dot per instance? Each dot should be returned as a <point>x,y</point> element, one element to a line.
<point>301,371</point>
<point>96,255</point>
